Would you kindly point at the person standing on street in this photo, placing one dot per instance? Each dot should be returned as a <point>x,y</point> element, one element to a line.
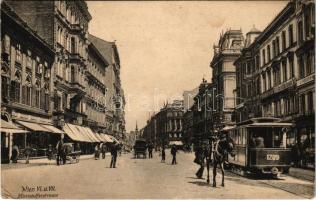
<point>114,149</point>
<point>60,153</point>
<point>150,150</point>
<point>174,154</point>
<point>163,154</point>
<point>199,159</point>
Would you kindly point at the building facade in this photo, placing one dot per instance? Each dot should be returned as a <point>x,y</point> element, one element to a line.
<point>165,127</point>
<point>279,80</point>
<point>114,93</point>
<point>64,25</point>
<point>26,83</point>
<point>224,76</point>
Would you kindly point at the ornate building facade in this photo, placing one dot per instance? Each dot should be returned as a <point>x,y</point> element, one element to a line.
<point>224,76</point>
<point>26,83</point>
<point>279,79</point>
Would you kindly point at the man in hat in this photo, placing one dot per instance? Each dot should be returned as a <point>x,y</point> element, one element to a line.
<point>114,149</point>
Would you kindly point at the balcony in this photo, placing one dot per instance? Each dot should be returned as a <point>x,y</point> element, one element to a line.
<point>76,27</point>
<point>283,86</point>
<point>306,80</point>
<point>267,94</point>
<point>77,88</point>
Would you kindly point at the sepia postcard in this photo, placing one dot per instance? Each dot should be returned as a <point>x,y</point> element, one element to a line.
<point>157,99</point>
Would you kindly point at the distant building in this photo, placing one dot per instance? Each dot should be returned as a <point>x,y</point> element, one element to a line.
<point>224,76</point>
<point>188,98</point>
<point>165,127</point>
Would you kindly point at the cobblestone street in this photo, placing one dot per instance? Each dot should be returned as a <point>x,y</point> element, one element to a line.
<point>142,178</point>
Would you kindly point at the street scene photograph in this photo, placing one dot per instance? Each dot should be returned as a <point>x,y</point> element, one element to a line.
<point>157,99</point>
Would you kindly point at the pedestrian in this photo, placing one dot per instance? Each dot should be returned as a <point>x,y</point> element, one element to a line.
<point>114,149</point>
<point>60,154</point>
<point>96,152</point>
<point>174,154</point>
<point>103,150</point>
<point>15,154</point>
<point>199,159</point>
<point>150,150</point>
<point>163,154</point>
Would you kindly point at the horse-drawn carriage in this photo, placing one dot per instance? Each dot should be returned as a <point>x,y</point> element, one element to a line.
<point>140,148</point>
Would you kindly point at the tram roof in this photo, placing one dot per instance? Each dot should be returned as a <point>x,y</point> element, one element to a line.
<point>269,124</point>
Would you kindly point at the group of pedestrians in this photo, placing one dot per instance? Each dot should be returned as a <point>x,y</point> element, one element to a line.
<point>115,149</point>
<point>173,152</point>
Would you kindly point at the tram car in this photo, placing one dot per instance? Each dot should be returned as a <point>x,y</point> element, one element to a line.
<point>260,147</point>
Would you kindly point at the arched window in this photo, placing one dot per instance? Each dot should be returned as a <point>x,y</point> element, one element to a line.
<point>15,89</point>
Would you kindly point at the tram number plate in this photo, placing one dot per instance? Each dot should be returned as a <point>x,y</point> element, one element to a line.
<point>273,157</point>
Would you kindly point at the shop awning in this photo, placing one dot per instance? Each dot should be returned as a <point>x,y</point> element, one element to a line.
<point>70,133</point>
<point>177,143</point>
<point>10,128</point>
<point>106,138</point>
<point>33,126</point>
<point>53,129</point>
<point>91,134</point>
<point>80,133</point>
<point>114,139</point>
<point>100,138</point>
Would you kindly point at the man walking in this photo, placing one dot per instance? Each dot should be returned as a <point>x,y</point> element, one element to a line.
<point>199,159</point>
<point>114,149</point>
<point>60,153</point>
<point>150,150</point>
<point>174,154</point>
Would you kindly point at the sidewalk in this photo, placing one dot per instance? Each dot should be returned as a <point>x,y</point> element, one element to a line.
<point>304,174</point>
<point>39,162</point>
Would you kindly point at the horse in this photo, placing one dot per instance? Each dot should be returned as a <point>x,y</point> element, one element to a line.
<point>222,147</point>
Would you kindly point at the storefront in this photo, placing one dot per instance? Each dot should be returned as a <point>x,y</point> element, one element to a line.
<point>7,131</point>
<point>38,139</point>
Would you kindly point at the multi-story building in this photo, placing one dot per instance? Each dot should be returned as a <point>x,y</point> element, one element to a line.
<point>150,130</point>
<point>96,90</point>
<point>247,100</point>
<point>26,84</point>
<point>224,76</point>
<point>202,112</point>
<point>280,82</point>
<point>188,98</point>
<point>63,25</point>
<point>114,95</point>
<point>165,127</point>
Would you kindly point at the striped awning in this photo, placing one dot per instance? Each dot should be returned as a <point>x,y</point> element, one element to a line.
<point>33,126</point>
<point>10,128</point>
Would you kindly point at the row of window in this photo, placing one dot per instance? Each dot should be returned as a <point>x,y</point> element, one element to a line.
<point>69,13</point>
<point>306,103</point>
<point>278,74</point>
<point>306,63</point>
<point>96,114</point>
<point>276,43</point>
<point>35,97</point>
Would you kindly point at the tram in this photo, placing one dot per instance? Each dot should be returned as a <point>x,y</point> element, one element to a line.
<point>260,147</point>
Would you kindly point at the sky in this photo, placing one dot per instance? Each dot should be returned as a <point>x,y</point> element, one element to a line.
<point>166,47</point>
